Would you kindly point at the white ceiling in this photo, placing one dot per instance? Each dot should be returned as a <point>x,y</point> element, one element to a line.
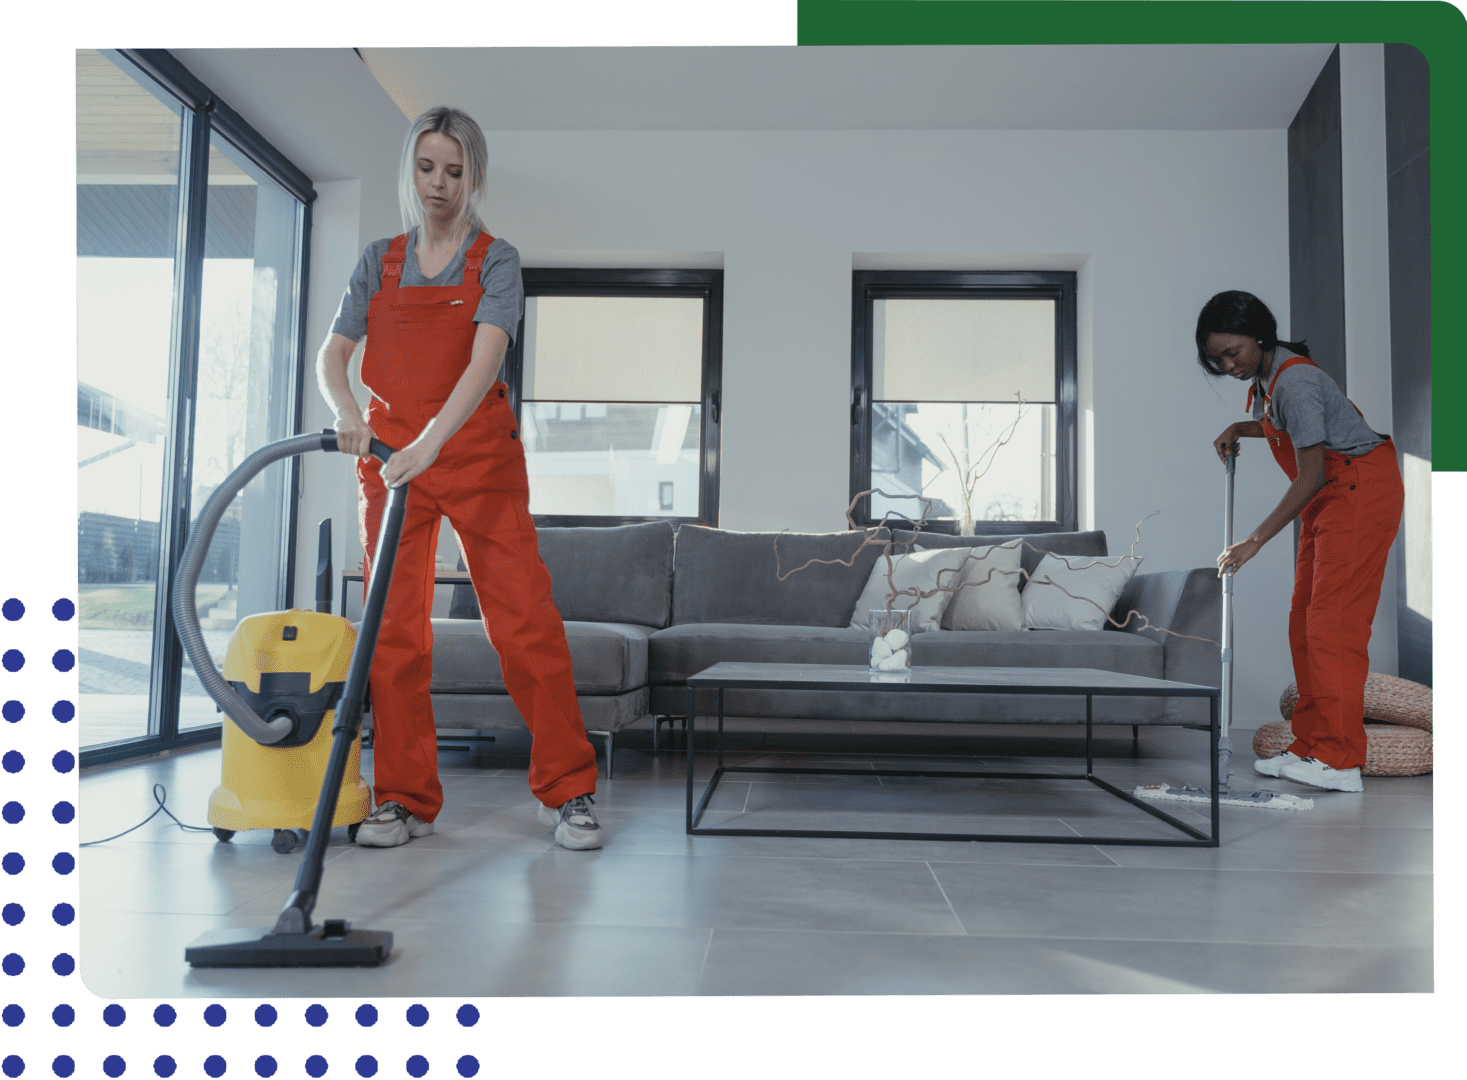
<point>1045,87</point>
<point>332,114</point>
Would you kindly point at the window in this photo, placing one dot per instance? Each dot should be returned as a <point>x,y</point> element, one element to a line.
<point>615,378</point>
<point>190,238</point>
<point>963,390</point>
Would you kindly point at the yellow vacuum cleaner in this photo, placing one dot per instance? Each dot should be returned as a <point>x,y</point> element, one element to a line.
<point>294,688</point>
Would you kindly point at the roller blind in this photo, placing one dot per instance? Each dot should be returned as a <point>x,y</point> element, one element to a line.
<point>613,348</point>
<point>963,350</point>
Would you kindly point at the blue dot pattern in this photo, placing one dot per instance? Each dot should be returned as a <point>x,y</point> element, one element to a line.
<point>63,1065</point>
<point>14,862</point>
<point>366,1016</point>
<point>13,1015</point>
<point>63,711</point>
<point>13,914</point>
<point>13,609</point>
<point>214,1065</point>
<point>163,1065</point>
<point>265,1015</point>
<point>13,711</point>
<point>417,1065</point>
<point>265,1065</point>
<point>63,609</point>
<point>63,914</point>
<point>164,1015</point>
<point>63,761</point>
<point>114,1015</point>
<point>417,1015</point>
<point>215,1015</point>
<point>366,1065</point>
<point>63,1015</point>
<point>114,1065</point>
<point>63,660</point>
<point>316,1015</point>
<point>13,660</point>
<point>13,1065</point>
<point>13,761</point>
<point>468,1065</point>
<point>316,1065</point>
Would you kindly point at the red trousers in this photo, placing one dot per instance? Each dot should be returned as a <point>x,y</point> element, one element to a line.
<point>1345,535</point>
<point>478,482</point>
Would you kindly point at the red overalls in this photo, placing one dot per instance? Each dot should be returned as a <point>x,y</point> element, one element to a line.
<point>419,340</point>
<point>1345,535</point>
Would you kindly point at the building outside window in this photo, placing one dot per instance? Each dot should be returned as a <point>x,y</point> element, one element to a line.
<point>615,376</point>
<point>963,390</point>
<point>190,239</point>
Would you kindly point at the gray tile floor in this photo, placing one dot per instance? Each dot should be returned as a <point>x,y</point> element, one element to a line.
<point>1337,899</point>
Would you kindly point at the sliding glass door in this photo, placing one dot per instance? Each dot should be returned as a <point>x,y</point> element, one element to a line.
<point>191,233</point>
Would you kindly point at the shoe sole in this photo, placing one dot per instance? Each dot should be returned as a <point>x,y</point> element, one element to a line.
<point>1356,787</point>
<point>394,838</point>
<point>1268,767</point>
<point>568,836</point>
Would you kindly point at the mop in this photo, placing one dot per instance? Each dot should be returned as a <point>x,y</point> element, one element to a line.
<point>1270,800</point>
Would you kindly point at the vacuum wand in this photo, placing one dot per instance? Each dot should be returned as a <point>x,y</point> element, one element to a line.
<point>295,916</point>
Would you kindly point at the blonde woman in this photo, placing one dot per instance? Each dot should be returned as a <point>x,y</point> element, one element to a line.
<point>439,305</point>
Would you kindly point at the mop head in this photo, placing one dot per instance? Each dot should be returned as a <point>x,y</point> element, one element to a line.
<point>1268,800</point>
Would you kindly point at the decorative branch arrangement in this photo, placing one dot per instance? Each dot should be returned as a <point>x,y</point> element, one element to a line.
<point>969,472</point>
<point>871,538</point>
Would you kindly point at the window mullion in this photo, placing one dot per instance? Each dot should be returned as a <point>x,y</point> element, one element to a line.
<point>193,183</point>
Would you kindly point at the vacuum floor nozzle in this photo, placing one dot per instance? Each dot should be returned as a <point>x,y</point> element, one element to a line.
<point>332,944</point>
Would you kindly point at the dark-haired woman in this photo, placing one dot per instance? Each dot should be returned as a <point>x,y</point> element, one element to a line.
<point>1345,488</point>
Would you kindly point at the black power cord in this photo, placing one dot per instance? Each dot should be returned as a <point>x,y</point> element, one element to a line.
<point>161,800</point>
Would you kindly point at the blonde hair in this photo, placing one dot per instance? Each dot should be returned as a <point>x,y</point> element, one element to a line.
<point>460,127</point>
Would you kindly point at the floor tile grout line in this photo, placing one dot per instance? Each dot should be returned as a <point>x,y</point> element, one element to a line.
<point>703,964</point>
<point>949,903</point>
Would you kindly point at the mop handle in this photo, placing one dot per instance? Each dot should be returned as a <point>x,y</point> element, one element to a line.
<point>1225,705</point>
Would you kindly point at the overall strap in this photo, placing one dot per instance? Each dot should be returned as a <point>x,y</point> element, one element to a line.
<point>474,258</point>
<point>1268,394</point>
<point>392,261</point>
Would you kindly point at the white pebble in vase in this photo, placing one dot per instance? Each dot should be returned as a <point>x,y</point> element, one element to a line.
<point>897,661</point>
<point>880,650</point>
<point>896,639</point>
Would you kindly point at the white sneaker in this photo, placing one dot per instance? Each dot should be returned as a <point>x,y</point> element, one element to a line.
<point>575,824</point>
<point>1273,766</point>
<point>1317,774</point>
<point>390,825</point>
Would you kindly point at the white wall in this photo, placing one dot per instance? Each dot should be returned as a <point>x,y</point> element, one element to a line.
<point>1367,282</point>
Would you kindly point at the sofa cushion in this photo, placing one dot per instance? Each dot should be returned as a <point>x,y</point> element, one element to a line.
<point>1079,592</point>
<point>1130,654</point>
<point>621,574</point>
<point>919,571</point>
<point>1034,545</point>
<point>731,577</point>
<point>606,657</point>
<point>686,649</point>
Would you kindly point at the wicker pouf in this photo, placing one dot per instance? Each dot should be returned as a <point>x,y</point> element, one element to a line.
<point>1390,749</point>
<point>1396,701</point>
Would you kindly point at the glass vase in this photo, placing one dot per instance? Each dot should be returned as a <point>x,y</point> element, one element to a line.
<point>890,651</point>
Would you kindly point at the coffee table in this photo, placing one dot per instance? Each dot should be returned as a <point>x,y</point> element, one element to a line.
<point>1087,682</point>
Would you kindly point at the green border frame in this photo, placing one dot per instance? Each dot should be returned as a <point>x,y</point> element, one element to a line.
<point>779,1036</point>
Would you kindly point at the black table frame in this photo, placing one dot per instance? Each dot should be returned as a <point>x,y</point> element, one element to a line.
<point>711,680</point>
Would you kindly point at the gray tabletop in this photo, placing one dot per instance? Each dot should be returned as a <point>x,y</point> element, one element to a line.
<point>1011,680</point>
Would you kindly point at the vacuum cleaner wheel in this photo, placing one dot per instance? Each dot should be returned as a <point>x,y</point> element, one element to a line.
<point>223,835</point>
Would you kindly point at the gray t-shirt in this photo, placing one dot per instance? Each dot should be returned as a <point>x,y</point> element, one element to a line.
<point>504,291</point>
<point>1310,408</point>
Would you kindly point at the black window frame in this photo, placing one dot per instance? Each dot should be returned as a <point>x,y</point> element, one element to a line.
<point>707,285</point>
<point>203,114</point>
<point>868,286</point>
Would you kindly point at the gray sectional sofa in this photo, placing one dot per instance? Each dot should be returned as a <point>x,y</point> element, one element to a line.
<point>647,605</point>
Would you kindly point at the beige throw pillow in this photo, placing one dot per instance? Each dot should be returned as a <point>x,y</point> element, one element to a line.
<point>1047,608</point>
<point>918,570</point>
<point>991,604</point>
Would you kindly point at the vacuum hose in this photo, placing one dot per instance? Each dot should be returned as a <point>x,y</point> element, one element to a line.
<point>185,608</point>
